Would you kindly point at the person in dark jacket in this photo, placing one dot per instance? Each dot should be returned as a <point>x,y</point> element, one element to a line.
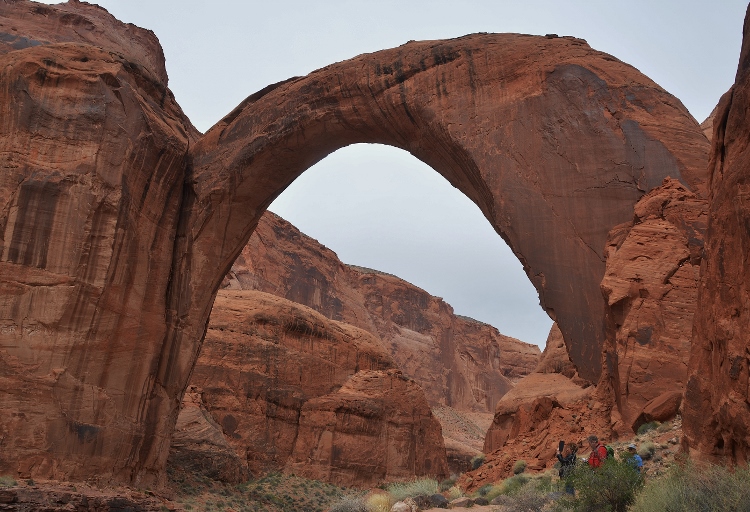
<point>567,463</point>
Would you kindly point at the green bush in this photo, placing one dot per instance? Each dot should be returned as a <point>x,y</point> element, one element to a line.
<point>647,427</point>
<point>693,487</point>
<point>379,503</point>
<point>513,484</point>
<point>611,487</point>
<point>519,467</point>
<point>402,490</point>
<point>454,493</point>
<point>477,461</point>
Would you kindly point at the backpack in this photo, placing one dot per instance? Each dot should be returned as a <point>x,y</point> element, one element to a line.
<point>610,452</point>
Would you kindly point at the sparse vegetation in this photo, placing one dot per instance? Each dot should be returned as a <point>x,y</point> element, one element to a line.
<point>477,461</point>
<point>447,483</point>
<point>421,487</point>
<point>647,427</point>
<point>694,487</point>
<point>349,504</point>
<point>519,467</point>
<point>379,503</point>
<point>612,487</point>
<point>647,450</point>
<point>7,481</point>
<point>454,493</point>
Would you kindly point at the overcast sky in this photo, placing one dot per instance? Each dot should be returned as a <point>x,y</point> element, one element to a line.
<point>380,207</point>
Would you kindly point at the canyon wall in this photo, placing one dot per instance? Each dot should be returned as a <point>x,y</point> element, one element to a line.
<point>716,411</point>
<point>459,362</point>
<point>93,154</point>
<point>119,222</point>
<point>293,389</point>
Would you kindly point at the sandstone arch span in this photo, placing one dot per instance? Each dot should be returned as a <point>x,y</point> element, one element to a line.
<point>117,226</point>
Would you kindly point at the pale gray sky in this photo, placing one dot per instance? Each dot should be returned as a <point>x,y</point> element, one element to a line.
<point>380,207</point>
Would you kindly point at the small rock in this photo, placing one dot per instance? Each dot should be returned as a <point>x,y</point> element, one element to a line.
<point>674,440</point>
<point>481,501</point>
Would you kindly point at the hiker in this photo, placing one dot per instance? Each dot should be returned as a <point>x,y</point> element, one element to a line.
<point>567,463</point>
<point>598,452</point>
<point>634,459</point>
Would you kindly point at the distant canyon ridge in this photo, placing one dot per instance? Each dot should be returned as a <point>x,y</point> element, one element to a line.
<point>120,221</point>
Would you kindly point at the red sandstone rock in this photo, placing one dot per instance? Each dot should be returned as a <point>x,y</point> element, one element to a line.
<point>459,362</point>
<point>293,389</point>
<point>27,24</point>
<point>376,427</point>
<point>555,357</point>
<point>110,265</point>
<point>595,136</point>
<point>651,288</point>
<point>716,416</point>
<point>93,149</point>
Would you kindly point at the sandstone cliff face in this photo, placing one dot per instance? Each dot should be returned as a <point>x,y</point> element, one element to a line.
<point>651,288</point>
<point>716,412</point>
<point>93,150</point>
<point>115,244</point>
<point>459,362</point>
<point>291,388</point>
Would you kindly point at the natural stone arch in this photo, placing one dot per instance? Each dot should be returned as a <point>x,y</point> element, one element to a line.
<point>116,236</point>
<point>554,142</point>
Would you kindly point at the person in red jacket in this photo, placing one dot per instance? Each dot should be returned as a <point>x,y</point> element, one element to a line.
<point>598,452</point>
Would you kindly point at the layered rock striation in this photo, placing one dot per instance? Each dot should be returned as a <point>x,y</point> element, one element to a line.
<point>292,389</point>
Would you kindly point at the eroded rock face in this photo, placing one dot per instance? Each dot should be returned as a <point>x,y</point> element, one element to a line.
<point>459,362</point>
<point>93,159</point>
<point>115,244</point>
<point>716,417</point>
<point>293,389</point>
<point>595,136</point>
<point>651,288</point>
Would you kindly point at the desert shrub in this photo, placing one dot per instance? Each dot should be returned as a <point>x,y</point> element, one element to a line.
<point>647,450</point>
<point>454,493</point>
<point>477,461</point>
<point>494,492</point>
<point>664,427</point>
<point>379,503</point>
<point>647,427</point>
<point>513,484</point>
<point>519,467</point>
<point>447,483</point>
<point>424,487</point>
<point>611,487</point>
<point>7,481</point>
<point>486,488</point>
<point>349,504</point>
<point>529,498</point>
<point>700,488</point>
